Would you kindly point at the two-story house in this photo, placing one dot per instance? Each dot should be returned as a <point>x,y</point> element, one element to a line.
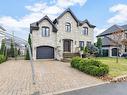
<point>112,40</point>
<point>66,34</point>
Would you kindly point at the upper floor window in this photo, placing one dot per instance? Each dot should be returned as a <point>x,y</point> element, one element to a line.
<point>68,27</point>
<point>45,31</point>
<point>85,31</point>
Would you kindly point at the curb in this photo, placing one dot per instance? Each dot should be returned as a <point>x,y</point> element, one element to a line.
<point>68,90</point>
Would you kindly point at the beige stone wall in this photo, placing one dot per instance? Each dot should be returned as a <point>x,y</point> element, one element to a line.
<point>75,33</point>
<point>38,40</point>
<point>56,39</point>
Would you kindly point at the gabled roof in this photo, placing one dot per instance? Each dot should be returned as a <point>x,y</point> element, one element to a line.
<point>124,27</point>
<point>106,41</point>
<point>34,26</point>
<point>86,21</point>
<point>78,22</point>
<point>2,28</point>
<point>110,30</point>
<point>67,10</point>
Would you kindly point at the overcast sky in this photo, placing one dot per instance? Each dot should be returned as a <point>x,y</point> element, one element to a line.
<point>16,15</point>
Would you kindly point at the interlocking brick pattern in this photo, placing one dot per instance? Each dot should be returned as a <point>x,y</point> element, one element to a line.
<point>51,76</point>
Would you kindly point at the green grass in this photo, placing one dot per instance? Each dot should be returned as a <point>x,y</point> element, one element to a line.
<point>115,69</point>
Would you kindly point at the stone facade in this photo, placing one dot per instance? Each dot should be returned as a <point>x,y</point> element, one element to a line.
<point>56,38</point>
<point>111,38</point>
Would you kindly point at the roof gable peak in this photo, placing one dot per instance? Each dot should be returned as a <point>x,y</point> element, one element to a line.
<point>70,11</point>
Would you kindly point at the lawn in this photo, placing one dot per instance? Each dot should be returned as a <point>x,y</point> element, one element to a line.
<point>115,69</point>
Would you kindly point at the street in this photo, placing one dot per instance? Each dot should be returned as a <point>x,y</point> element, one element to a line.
<point>105,89</point>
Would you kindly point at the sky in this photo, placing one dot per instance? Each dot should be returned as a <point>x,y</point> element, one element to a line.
<point>16,15</point>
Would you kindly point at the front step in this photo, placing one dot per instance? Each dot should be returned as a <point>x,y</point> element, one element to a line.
<point>70,55</point>
<point>66,60</point>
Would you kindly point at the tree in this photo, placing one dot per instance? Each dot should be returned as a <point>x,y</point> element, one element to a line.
<point>27,51</point>
<point>86,50</point>
<point>27,55</point>
<point>3,48</point>
<point>19,52</point>
<point>93,49</point>
<point>99,46</point>
<point>117,40</point>
<point>12,51</point>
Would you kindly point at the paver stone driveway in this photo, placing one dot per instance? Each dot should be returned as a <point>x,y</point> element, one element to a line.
<point>51,76</point>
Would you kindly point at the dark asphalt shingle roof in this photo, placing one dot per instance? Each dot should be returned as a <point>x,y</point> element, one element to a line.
<point>68,10</point>
<point>34,26</point>
<point>2,28</point>
<point>79,22</point>
<point>124,27</point>
<point>110,30</point>
<point>113,29</point>
<point>106,41</point>
<point>86,21</point>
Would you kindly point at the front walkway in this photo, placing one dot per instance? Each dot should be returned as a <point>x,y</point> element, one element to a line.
<point>51,76</point>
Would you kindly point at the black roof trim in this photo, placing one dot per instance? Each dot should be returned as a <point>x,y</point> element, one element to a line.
<point>86,21</point>
<point>34,26</point>
<point>110,30</point>
<point>2,28</point>
<point>78,22</point>
<point>67,10</point>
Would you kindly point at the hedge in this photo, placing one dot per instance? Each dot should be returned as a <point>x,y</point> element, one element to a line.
<point>2,59</point>
<point>90,66</point>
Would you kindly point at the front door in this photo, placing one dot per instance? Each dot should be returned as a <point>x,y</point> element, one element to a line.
<point>67,46</point>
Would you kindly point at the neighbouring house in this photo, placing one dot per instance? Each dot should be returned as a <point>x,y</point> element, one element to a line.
<point>1,36</point>
<point>111,37</point>
<point>17,45</point>
<point>65,35</point>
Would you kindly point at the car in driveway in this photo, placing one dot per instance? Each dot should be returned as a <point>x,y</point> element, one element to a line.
<point>124,55</point>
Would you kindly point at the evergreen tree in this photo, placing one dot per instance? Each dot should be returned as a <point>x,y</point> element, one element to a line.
<point>12,52</point>
<point>99,45</point>
<point>3,48</point>
<point>27,51</point>
<point>19,52</point>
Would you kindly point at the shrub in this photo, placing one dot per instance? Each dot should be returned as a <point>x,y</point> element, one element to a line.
<point>92,67</point>
<point>2,59</point>
<point>75,62</point>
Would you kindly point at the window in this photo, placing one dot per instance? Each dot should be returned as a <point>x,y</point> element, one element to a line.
<point>45,31</point>
<point>126,35</point>
<point>81,44</point>
<point>85,31</point>
<point>125,48</point>
<point>88,43</point>
<point>68,27</point>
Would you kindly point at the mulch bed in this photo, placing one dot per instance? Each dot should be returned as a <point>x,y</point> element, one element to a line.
<point>106,78</point>
<point>117,79</point>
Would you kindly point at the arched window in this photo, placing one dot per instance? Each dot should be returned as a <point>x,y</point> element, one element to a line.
<point>45,31</point>
<point>68,27</point>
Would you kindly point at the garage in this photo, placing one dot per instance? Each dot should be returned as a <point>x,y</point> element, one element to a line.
<point>45,52</point>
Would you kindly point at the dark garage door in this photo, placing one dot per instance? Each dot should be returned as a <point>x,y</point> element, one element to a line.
<point>45,52</point>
